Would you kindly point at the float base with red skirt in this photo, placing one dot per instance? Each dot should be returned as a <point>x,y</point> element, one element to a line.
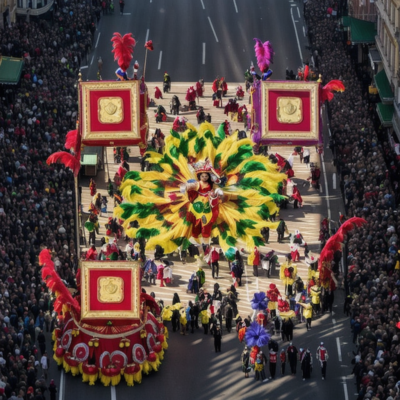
<point>109,330</point>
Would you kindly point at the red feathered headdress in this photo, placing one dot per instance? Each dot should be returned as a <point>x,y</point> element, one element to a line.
<point>123,49</point>
<point>149,45</point>
<point>264,53</point>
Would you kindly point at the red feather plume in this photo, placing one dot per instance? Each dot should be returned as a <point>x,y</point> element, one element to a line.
<point>69,160</point>
<point>350,224</point>
<point>73,142</point>
<point>123,49</point>
<point>55,284</point>
<point>306,72</point>
<point>326,91</point>
<point>264,53</point>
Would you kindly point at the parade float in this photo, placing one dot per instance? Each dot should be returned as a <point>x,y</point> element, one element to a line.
<point>286,113</point>
<point>205,184</point>
<point>109,329</point>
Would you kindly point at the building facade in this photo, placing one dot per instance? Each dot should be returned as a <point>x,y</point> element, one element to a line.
<point>388,44</point>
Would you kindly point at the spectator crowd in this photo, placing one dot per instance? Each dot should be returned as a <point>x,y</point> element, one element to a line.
<point>37,200</point>
<point>369,171</point>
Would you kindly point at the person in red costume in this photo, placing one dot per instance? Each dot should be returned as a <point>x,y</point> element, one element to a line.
<point>273,294</point>
<point>200,88</point>
<point>255,261</point>
<point>91,254</point>
<point>157,93</point>
<point>203,217</point>
<point>92,187</point>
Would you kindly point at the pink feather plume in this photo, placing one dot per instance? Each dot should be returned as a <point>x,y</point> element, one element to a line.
<point>264,53</point>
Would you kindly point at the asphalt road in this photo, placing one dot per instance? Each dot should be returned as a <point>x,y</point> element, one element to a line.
<point>202,38</point>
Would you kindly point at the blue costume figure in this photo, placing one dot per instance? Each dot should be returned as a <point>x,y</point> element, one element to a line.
<point>121,74</point>
<point>267,75</point>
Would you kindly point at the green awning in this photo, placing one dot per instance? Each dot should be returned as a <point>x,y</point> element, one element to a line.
<point>385,113</point>
<point>89,159</point>
<point>360,31</point>
<point>383,85</point>
<point>10,70</point>
<point>346,21</point>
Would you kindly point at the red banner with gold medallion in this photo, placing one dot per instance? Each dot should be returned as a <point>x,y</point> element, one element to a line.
<point>290,113</point>
<point>110,291</point>
<point>111,113</point>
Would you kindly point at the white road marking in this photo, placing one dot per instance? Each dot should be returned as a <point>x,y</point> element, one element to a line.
<point>298,11</point>
<point>346,396</point>
<point>62,386</point>
<point>304,31</point>
<point>147,35</point>
<point>159,60</point>
<point>293,5</point>
<point>97,41</point>
<point>296,21</point>
<point>297,36</point>
<point>204,53</point>
<point>113,393</point>
<point>334,180</point>
<point>126,14</point>
<point>91,62</point>
<point>338,349</point>
<point>202,4</point>
<point>234,3</point>
<point>209,20</point>
<point>85,66</point>
<point>334,321</point>
<point>328,205</point>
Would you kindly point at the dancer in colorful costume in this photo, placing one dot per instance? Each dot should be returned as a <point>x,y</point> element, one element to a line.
<point>203,185</point>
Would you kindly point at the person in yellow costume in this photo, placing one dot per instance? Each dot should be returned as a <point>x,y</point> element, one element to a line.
<point>315,293</point>
<point>307,313</point>
<point>287,275</point>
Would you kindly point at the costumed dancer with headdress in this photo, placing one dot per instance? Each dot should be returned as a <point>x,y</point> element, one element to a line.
<point>265,56</point>
<point>210,185</point>
<point>123,54</point>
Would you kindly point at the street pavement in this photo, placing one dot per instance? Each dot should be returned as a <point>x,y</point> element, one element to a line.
<point>203,39</point>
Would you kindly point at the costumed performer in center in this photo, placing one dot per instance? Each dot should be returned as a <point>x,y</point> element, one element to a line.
<point>202,185</point>
<point>204,199</point>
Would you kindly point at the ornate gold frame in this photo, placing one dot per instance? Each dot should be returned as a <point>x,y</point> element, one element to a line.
<point>87,313</point>
<point>85,88</point>
<point>291,88</point>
